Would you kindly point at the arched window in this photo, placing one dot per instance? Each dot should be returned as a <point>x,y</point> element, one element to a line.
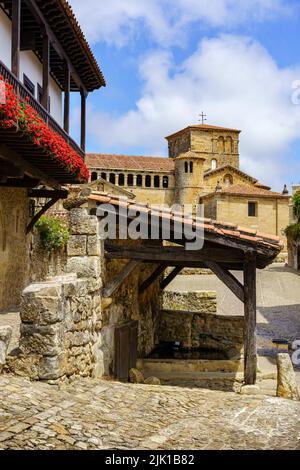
<point>228,180</point>
<point>165,182</point>
<point>121,179</point>
<point>130,180</point>
<point>214,164</point>
<point>229,145</point>
<point>191,167</point>
<point>112,178</point>
<point>156,181</point>
<point>221,145</point>
<point>139,181</point>
<point>104,176</point>
<point>186,167</point>
<point>94,176</point>
<point>148,183</point>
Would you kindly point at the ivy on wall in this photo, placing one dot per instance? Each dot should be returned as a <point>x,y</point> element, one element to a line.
<point>53,233</point>
<point>293,230</point>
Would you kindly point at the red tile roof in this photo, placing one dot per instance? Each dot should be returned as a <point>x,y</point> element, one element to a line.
<point>128,162</point>
<point>248,191</point>
<point>227,231</point>
<point>203,127</point>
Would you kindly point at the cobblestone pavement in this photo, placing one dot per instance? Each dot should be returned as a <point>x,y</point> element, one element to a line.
<point>107,415</point>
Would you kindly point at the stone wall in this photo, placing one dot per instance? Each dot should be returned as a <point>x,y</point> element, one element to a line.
<point>293,253</point>
<point>196,301</point>
<point>14,246</point>
<point>203,330</point>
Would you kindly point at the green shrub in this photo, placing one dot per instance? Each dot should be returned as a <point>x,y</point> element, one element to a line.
<point>53,233</point>
<point>293,231</point>
<point>296,203</point>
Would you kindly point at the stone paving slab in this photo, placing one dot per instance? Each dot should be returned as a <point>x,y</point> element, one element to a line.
<point>102,414</point>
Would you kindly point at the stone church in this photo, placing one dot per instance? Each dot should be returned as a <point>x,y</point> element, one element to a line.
<point>203,167</point>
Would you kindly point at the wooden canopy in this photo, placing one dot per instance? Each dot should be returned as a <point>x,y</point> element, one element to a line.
<point>226,248</point>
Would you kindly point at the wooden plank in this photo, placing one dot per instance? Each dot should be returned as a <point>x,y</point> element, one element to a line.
<point>83,120</point>
<point>151,279</point>
<point>9,155</point>
<point>46,71</point>
<point>48,194</point>
<point>171,277</point>
<point>111,288</point>
<point>250,347</point>
<point>228,279</point>
<point>167,254</point>
<point>67,98</point>
<point>16,37</point>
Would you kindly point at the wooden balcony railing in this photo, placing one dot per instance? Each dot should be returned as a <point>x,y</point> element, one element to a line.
<point>24,94</point>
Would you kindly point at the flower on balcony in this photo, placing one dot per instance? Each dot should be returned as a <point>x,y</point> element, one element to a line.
<point>18,112</point>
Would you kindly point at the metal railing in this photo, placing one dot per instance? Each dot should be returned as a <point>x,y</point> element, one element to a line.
<point>24,94</point>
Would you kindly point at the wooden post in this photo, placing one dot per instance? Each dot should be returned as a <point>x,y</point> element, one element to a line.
<point>67,98</point>
<point>46,71</point>
<point>83,119</point>
<point>250,347</point>
<point>16,37</point>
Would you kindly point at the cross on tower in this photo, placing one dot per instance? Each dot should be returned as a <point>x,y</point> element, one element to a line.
<point>202,116</point>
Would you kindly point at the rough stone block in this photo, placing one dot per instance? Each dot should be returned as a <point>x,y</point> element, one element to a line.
<point>197,301</point>
<point>286,378</point>
<point>93,246</point>
<point>5,337</point>
<point>136,376</point>
<point>77,245</point>
<point>84,267</point>
<point>41,310</point>
<point>152,381</point>
<point>52,368</point>
<point>83,224</point>
<point>42,340</point>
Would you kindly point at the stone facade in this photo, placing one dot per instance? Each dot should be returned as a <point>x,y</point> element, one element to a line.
<point>14,246</point>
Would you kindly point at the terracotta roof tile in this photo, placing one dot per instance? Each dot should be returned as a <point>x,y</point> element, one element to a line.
<point>129,162</point>
<point>247,190</point>
<point>223,230</point>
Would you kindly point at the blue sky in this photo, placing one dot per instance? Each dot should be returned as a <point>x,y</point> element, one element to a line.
<point>167,60</point>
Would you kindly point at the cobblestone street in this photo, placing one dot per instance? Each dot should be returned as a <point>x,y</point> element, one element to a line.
<point>108,415</point>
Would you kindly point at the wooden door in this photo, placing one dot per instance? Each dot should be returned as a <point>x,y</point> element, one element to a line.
<point>126,338</point>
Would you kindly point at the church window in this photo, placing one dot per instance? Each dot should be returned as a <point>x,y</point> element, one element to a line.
<point>104,176</point>
<point>130,180</point>
<point>221,145</point>
<point>165,182</point>
<point>228,180</point>
<point>112,178</point>
<point>156,181</point>
<point>214,164</point>
<point>121,179</point>
<point>94,176</point>
<point>139,181</point>
<point>191,167</point>
<point>186,167</point>
<point>229,145</point>
<point>252,209</point>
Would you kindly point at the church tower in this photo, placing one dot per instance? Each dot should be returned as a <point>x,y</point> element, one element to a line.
<point>196,150</point>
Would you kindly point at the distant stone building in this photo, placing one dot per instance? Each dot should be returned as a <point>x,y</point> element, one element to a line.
<point>203,167</point>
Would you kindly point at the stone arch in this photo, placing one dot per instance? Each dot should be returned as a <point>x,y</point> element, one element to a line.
<point>186,167</point>
<point>94,176</point>
<point>221,145</point>
<point>229,145</point>
<point>157,181</point>
<point>121,179</point>
<point>139,181</point>
<point>112,178</point>
<point>130,180</point>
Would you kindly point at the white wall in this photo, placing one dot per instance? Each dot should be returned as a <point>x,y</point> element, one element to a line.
<point>30,65</point>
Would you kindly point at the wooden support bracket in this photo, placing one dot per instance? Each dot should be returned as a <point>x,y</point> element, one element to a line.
<point>151,279</point>
<point>228,279</point>
<point>112,286</point>
<point>37,216</point>
<point>171,277</point>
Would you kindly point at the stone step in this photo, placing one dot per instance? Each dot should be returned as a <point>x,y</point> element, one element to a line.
<point>192,365</point>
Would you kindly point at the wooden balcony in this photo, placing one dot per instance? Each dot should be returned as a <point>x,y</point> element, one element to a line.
<point>24,94</point>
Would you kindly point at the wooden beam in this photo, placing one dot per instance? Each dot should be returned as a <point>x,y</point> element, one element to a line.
<point>67,98</point>
<point>16,37</point>
<point>112,286</point>
<point>9,155</point>
<point>83,120</point>
<point>228,279</point>
<point>250,347</point>
<point>171,277</point>
<point>48,194</point>
<point>46,71</point>
<point>35,10</point>
<point>171,254</point>
<point>151,279</point>
<point>37,216</point>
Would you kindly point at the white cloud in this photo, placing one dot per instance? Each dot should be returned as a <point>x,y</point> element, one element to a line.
<point>234,80</point>
<point>116,21</point>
